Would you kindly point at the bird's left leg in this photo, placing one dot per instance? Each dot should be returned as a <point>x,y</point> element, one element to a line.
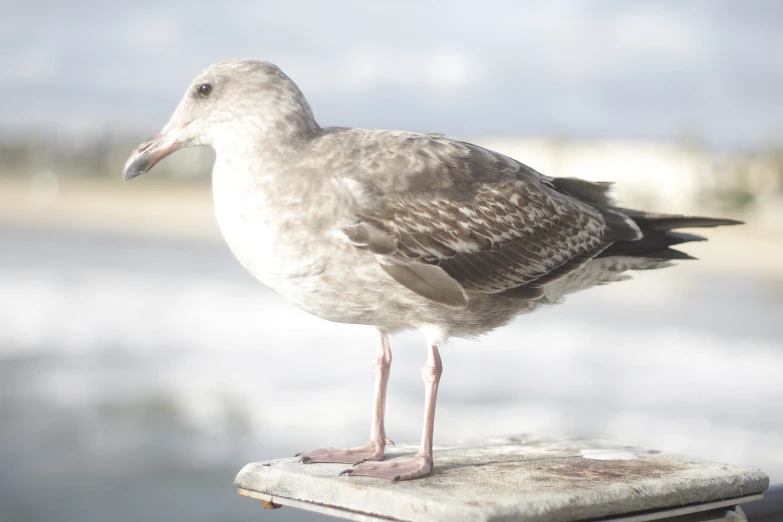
<point>421,463</point>
<point>374,448</point>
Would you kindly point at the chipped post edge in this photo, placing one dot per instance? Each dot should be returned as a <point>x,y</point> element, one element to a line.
<point>268,501</point>
<point>323,509</point>
<point>271,502</point>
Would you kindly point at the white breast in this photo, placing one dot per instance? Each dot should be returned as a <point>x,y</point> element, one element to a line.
<point>263,228</point>
<point>283,232</point>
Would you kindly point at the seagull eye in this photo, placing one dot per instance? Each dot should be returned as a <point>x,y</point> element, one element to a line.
<point>205,89</point>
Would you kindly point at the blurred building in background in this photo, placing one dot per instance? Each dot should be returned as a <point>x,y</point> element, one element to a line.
<point>654,175</point>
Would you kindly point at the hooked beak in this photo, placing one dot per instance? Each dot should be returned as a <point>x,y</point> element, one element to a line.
<point>152,151</point>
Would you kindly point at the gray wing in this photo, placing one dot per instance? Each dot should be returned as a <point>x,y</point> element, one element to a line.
<point>446,217</point>
<point>510,238</point>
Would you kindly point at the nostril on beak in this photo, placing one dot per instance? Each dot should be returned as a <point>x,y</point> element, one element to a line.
<point>146,146</point>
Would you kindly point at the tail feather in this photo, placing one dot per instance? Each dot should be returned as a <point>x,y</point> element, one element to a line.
<point>658,234</point>
<point>667,253</point>
<point>670,221</point>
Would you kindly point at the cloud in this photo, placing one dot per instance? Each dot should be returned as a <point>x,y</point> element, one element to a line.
<point>600,68</point>
<point>435,70</point>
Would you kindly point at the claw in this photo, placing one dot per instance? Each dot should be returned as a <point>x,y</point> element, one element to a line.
<point>389,441</point>
<point>298,454</point>
<point>359,462</point>
<point>346,472</point>
<point>305,460</point>
<point>397,478</point>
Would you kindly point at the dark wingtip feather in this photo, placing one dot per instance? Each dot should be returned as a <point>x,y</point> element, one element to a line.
<point>682,237</point>
<point>658,235</point>
<point>669,253</point>
<point>670,221</point>
<point>583,190</point>
<point>702,222</point>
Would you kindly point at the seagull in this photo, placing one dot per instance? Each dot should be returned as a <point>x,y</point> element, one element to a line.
<point>398,230</point>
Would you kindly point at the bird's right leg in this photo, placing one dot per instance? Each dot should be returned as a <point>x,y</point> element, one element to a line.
<point>374,448</point>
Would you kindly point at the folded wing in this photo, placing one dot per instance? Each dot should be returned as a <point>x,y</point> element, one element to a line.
<point>508,238</point>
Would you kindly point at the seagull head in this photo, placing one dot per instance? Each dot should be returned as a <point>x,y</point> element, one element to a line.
<point>230,105</point>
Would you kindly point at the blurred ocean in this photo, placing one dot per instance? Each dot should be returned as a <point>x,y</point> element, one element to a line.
<point>137,376</point>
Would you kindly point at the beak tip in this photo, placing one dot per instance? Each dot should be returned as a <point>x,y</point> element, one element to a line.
<point>149,153</point>
<point>138,163</point>
<point>128,175</point>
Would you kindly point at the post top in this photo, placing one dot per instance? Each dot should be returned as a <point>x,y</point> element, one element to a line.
<point>523,477</point>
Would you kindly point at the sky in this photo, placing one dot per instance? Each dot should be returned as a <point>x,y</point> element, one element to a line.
<point>706,70</point>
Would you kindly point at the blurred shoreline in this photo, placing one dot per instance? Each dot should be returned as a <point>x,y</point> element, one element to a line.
<point>164,209</point>
<point>182,211</point>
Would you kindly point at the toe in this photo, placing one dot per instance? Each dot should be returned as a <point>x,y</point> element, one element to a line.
<point>395,470</point>
<point>370,451</point>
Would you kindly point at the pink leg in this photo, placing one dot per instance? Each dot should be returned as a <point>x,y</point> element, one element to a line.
<point>421,464</point>
<point>373,450</point>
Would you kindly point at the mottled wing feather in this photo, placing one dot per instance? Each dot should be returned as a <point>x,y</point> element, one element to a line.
<point>509,234</point>
<point>429,281</point>
<point>599,271</point>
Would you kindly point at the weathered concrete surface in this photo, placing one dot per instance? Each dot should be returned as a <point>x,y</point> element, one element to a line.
<point>522,478</point>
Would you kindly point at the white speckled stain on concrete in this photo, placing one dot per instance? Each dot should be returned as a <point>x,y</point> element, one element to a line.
<point>608,454</point>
